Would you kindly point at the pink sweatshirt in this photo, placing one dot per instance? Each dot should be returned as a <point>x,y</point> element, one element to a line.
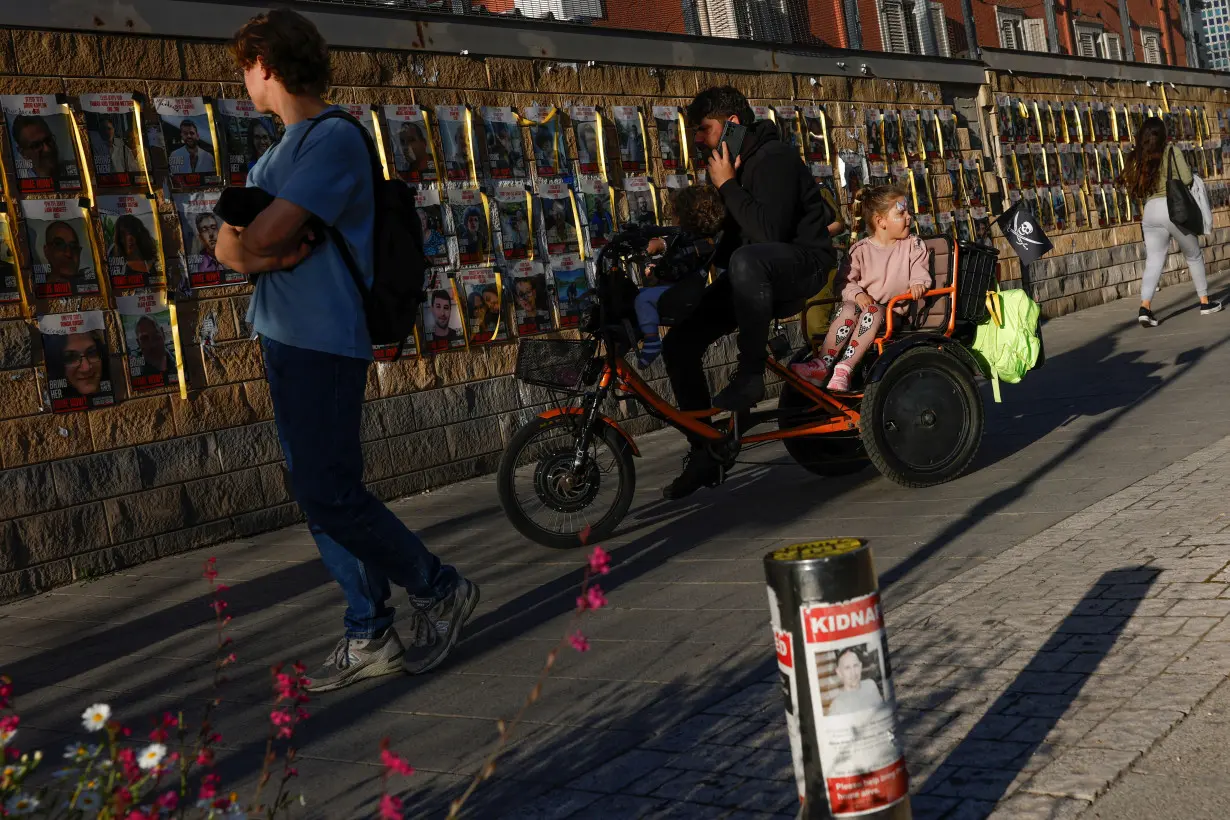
<point>883,273</point>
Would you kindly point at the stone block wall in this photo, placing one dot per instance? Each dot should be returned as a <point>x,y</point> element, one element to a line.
<point>88,493</point>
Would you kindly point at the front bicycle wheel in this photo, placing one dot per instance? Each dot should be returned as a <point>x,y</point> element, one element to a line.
<point>553,503</point>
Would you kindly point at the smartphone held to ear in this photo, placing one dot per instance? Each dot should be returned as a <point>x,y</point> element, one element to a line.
<point>732,137</point>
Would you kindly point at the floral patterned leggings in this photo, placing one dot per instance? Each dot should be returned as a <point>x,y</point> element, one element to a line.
<point>850,334</point>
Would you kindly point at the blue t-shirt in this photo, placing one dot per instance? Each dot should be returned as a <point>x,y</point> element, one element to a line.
<point>316,305</point>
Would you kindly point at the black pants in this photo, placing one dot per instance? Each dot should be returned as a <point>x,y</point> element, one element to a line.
<point>760,277</point>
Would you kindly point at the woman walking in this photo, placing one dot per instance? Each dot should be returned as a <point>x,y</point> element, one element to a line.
<point>1151,165</point>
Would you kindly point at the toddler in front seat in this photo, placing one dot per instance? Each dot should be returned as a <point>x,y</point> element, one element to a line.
<point>887,263</point>
<point>681,267</point>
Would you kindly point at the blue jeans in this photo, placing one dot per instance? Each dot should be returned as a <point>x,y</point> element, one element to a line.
<point>317,406</point>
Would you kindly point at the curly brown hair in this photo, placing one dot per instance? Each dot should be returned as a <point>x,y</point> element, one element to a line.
<point>871,202</point>
<point>289,47</point>
<point>699,210</point>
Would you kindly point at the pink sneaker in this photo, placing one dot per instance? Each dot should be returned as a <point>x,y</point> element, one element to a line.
<point>812,370</point>
<point>840,383</point>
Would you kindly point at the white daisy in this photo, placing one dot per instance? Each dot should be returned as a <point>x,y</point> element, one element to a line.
<point>21,804</point>
<point>76,751</point>
<point>96,717</point>
<point>152,756</point>
<point>88,801</point>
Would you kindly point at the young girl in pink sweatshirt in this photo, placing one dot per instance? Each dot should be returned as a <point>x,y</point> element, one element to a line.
<point>888,262</point>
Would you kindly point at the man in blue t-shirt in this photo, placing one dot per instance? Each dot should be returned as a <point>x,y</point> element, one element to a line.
<point>309,315</point>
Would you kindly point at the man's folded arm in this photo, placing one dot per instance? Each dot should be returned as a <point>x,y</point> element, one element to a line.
<point>274,241</point>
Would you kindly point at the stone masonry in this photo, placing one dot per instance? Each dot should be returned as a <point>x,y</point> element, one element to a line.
<point>87,493</point>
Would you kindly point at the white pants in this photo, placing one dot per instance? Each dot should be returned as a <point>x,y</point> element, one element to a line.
<point>1158,229</point>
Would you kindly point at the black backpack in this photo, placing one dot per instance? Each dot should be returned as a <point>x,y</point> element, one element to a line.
<point>392,304</point>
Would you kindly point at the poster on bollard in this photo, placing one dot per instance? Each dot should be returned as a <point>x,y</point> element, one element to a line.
<point>44,147</point>
<point>787,671</point>
<point>852,697</point>
<point>78,361</point>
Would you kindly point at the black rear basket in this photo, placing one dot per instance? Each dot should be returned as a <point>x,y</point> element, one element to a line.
<point>558,364</point>
<point>975,276</point>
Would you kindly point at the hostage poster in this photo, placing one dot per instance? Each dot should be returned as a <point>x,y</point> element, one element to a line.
<point>846,657</point>
<point>149,340</point>
<point>44,148</point>
<point>77,359</point>
<point>59,234</point>
<point>130,237</point>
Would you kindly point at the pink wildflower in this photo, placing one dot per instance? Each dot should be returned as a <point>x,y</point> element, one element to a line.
<point>390,807</point>
<point>599,561</point>
<point>209,786</point>
<point>8,723</point>
<point>392,761</point>
<point>578,641</point>
<point>594,597</point>
<point>211,569</point>
<point>167,801</point>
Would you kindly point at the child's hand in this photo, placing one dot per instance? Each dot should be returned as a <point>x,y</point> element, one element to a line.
<point>917,290</point>
<point>863,301</point>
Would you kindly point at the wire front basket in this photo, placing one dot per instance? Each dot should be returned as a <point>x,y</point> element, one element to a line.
<point>975,276</point>
<point>558,364</point>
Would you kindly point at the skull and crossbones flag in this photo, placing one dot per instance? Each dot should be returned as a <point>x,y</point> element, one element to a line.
<point>1024,234</point>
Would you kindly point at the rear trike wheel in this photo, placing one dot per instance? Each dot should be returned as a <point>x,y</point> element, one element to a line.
<point>834,454</point>
<point>554,504</point>
<point>922,422</point>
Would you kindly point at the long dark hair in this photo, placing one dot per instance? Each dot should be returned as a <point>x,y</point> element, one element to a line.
<point>1141,168</point>
<point>131,225</point>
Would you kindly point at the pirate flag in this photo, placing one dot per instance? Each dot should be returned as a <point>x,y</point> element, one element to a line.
<point>1024,234</point>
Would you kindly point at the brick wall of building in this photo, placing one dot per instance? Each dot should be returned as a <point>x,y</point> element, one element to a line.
<point>87,493</point>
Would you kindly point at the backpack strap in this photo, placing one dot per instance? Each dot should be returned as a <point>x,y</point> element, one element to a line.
<point>339,241</point>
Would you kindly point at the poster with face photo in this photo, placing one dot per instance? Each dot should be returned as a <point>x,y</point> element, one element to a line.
<point>1005,122</point>
<point>435,227</point>
<point>248,135</point>
<point>788,126</point>
<point>559,218</point>
<point>454,125</point>
<point>930,134</point>
<point>149,340</point>
<point>850,169</point>
<point>1038,157</point>
<point>483,299</point>
<point>924,202</point>
<point>944,225</point>
<point>961,224</point>
<point>115,140</point>
<point>1080,209</point>
<point>815,135</point>
<point>598,203</point>
<point>410,144</point>
<point>1092,166</point>
<point>1059,206</point>
<point>572,291</point>
<point>1071,123</point>
<point>911,138</point>
<point>669,123</point>
<point>546,139</point>
<point>824,176</point>
<point>187,129</point>
<point>366,116</point>
<point>130,233</point>
<point>60,241</point>
<point>78,361</point>
<point>10,270</point>
<point>892,134</point>
<point>515,209</point>
<point>630,131</point>
<point>587,129</point>
<point>408,349</point>
<point>1067,171</point>
<point>971,180</point>
<point>877,174</point>
<point>948,132</point>
<point>468,209</point>
<point>199,226</point>
<point>441,316</point>
<point>44,148</point>
<point>642,201</point>
<point>955,182</point>
<point>982,226</point>
<point>504,152</point>
<point>531,300</point>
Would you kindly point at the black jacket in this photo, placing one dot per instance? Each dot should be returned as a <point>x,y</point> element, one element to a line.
<point>773,198</point>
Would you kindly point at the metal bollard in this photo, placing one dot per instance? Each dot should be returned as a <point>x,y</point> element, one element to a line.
<point>832,656</point>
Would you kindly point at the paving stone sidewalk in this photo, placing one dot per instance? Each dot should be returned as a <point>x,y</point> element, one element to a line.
<point>1027,686</point>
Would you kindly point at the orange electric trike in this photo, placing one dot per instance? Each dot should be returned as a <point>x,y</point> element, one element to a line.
<point>568,475</point>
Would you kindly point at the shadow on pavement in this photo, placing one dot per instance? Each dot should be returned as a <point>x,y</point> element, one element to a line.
<point>983,768</point>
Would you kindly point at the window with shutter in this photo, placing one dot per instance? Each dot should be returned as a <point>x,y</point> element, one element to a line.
<point>1088,41</point>
<point>1035,35</point>
<point>939,24</point>
<point>895,29</point>
<point>1151,45</point>
<point>1112,46</point>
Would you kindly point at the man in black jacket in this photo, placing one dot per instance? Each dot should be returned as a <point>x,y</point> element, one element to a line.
<point>775,249</point>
